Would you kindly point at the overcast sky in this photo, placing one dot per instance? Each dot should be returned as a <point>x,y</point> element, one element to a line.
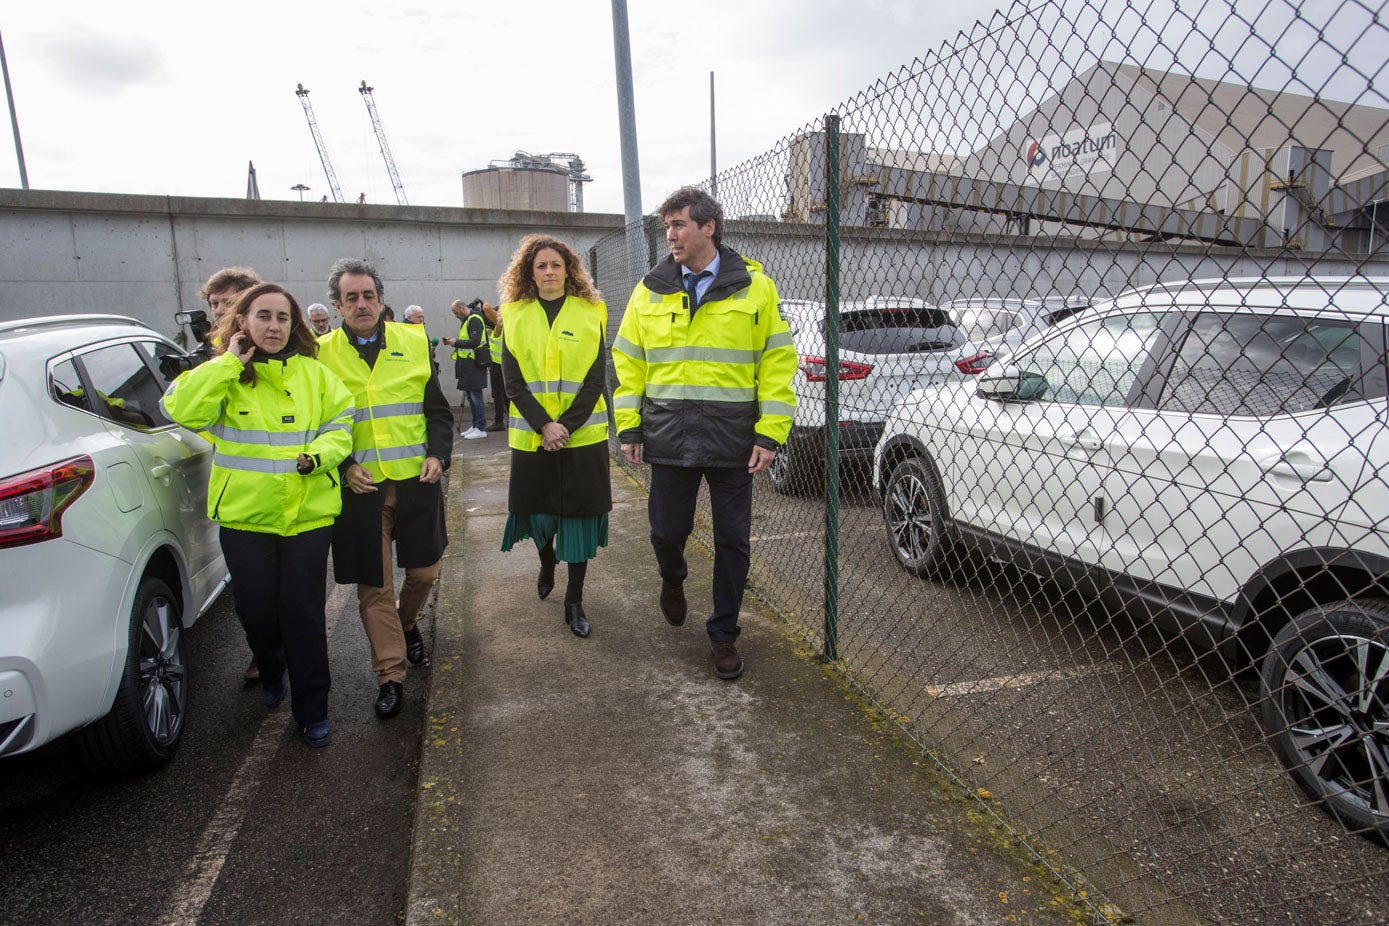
<point>176,98</point>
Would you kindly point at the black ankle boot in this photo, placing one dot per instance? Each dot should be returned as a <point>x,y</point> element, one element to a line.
<point>575,618</point>
<point>545,582</point>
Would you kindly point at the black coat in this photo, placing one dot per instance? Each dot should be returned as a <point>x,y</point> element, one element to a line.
<point>471,336</point>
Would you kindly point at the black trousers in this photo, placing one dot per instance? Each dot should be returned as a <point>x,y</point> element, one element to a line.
<point>499,403</point>
<point>281,586</point>
<point>674,493</point>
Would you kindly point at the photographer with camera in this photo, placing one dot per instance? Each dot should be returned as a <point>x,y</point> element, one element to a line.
<point>472,355</point>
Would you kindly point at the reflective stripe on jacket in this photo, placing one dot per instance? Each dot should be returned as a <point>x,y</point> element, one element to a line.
<point>297,405</point>
<point>554,359</point>
<point>388,436</point>
<point>697,390</point>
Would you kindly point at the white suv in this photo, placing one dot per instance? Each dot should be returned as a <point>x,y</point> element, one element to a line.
<point>104,540</point>
<point>887,347</point>
<point>1212,455</point>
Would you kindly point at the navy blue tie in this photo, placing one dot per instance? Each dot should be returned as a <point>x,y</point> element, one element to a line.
<point>692,286</point>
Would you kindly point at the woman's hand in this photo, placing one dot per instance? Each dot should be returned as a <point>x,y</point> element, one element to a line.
<point>241,347</point>
<point>553,436</point>
<point>304,464</point>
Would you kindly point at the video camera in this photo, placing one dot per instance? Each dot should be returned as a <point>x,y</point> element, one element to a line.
<point>476,304</point>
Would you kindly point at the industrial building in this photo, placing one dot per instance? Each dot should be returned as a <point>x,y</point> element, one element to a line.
<point>1130,153</point>
<point>544,182</point>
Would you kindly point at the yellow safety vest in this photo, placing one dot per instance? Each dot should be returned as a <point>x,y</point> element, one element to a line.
<point>388,433</point>
<point>296,405</point>
<point>553,360</point>
<point>466,353</point>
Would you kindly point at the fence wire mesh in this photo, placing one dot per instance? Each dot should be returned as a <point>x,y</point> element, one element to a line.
<point>1110,433</point>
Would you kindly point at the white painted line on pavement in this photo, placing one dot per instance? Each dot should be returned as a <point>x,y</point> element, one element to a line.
<point>1020,680</point>
<point>205,866</point>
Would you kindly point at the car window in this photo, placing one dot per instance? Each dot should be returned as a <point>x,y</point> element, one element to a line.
<point>898,331</point>
<point>1095,363</point>
<point>127,391</point>
<point>66,386</point>
<point>982,324</point>
<point>1259,365</point>
<point>169,361</point>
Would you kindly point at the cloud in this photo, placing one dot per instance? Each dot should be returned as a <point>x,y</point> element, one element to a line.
<point>102,65</point>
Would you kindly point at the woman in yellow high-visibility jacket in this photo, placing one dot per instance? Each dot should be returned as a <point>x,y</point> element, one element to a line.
<point>554,368</point>
<point>282,422</point>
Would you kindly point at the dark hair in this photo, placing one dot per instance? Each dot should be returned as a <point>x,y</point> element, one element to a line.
<point>703,209</point>
<point>237,278</point>
<point>357,267</point>
<point>518,282</point>
<point>301,338</point>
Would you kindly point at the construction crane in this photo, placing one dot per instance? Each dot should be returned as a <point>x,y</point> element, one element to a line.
<point>365,91</point>
<point>318,141</point>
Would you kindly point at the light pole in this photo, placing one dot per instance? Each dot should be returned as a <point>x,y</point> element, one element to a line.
<point>301,188</point>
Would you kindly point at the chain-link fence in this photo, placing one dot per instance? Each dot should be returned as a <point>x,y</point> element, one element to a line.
<point>1087,483</point>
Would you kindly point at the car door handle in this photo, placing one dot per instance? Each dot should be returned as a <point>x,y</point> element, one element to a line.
<point>1304,472</point>
<point>1086,440</point>
<point>161,471</point>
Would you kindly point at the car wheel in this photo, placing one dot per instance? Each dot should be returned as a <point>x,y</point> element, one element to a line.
<point>794,472</point>
<point>1326,705</point>
<point>144,725</point>
<point>914,512</point>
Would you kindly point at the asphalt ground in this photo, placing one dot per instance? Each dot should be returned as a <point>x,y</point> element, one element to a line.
<point>616,779</point>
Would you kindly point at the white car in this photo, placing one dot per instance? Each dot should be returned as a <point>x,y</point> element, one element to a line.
<point>1211,455</point>
<point>1000,326</point>
<point>105,543</point>
<point>887,347</point>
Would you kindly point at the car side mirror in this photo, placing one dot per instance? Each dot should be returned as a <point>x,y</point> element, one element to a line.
<point>1004,382</point>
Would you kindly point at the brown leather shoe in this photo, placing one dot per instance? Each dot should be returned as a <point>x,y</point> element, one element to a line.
<point>251,673</point>
<point>673,603</point>
<point>727,663</point>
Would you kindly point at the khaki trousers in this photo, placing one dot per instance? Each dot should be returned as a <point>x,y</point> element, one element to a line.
<point>384,621</point>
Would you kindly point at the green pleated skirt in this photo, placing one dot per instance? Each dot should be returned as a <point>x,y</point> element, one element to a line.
<point>576,539</point>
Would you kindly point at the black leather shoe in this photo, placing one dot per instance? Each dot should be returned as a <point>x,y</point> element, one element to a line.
<point>673,603</point>
<point>414,646</point>
<point>545,582</point>
<point>389,700</point>
<point>496,426</point>
<point>575,618</point>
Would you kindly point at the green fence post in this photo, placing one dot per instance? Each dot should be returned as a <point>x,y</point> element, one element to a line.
<point>832,386</point>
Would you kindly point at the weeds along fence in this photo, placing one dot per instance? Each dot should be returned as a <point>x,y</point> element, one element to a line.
<point>1087,484</point>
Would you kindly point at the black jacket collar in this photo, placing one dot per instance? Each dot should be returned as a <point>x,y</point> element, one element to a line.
<point>666,277</point>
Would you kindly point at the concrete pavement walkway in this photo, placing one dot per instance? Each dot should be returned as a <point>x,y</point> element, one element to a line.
<point>616,780</point>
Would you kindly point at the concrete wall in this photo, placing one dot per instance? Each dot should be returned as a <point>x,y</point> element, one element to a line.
<point>146,256</point>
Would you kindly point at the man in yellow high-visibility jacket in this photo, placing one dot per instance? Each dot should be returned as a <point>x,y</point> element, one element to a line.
<point>704,361</point>
<point>402,438</point>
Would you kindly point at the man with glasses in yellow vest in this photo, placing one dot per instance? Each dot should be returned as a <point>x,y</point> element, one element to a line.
<point>704,362</point>
<point>402,439</point>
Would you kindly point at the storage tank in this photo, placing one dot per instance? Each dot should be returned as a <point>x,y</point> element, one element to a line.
<point>538,188</point>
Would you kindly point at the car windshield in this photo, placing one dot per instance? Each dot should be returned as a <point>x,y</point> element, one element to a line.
<point>899,331</point>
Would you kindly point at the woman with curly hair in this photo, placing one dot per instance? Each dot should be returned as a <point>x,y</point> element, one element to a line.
<point>554,368</point>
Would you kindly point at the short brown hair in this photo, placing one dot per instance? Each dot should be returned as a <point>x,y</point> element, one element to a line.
<point>237,278</point>
<point>703,209</point>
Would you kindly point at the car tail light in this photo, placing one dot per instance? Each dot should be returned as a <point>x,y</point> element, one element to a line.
<point>973,365</point>
<point>814,369</point>
<point>32,503</point>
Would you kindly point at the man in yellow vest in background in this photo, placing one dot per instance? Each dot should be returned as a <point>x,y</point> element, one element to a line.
<point>704,363</point>
<point>402,439</point>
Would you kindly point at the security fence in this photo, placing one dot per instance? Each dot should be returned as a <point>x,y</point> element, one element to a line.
<point>1087,482</point>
